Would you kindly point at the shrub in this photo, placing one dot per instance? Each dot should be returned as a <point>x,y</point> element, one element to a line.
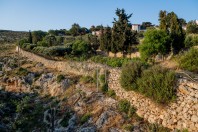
<point>39,49</point>
<point>158,84</point>
<point>85,118</point>
<point>42,43</point>
<point>21,42</point>
<point>80,47</point>
<point>132,111</point>
<point>104,88</point>
<point>87,79</point>
<point>102,78</point>
<point>111,93</point>
<point>60,78</point>
<point>130,73</point>
<point>52,51</point>
<point>113,62</point>
<point>124,105</point>
<point>156,128</point>
<point>29,46</point>
<point>128,127</point>
<point>155,42</point>
<point>22,72</point>
<point>189,61</point>
<point>65,120</point>
<point>191,40</point>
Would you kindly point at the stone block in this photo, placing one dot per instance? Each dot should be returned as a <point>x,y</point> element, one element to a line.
<point>183,89</point>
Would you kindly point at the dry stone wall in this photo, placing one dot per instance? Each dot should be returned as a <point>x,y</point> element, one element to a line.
<point>182,114</point>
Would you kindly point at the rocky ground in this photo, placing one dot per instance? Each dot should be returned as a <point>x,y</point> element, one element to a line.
<point>34,98</point>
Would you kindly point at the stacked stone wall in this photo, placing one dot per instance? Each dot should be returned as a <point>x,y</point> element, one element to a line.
<point>182,114</point>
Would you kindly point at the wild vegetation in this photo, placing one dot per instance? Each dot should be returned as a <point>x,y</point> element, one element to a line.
<point>81,46</point>
<point>189,60</point>
<point>78,44</point>
<point>154,82</point>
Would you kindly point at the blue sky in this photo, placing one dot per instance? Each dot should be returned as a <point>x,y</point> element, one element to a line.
<point>27,15</point>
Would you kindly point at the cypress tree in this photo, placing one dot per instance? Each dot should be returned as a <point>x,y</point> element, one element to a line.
<point>170,23</point>
<point>30,37</point>
<point>122,36</point>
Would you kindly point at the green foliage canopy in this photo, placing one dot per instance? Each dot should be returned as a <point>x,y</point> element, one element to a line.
<point>155,42</point>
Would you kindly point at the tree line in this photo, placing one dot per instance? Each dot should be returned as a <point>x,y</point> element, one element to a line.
<point>170,37</point>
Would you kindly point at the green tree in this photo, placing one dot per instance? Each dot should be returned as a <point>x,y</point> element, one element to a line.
<point>163,20</point>
<point>105,39</point>
<point>155,42</point>
<point>59,39</point>
<point>170,23</point>
<point>84,31</point>
<point>94,42</point>
<point>182,21</point>
<point>30,37</point>
<point>146,25</point>
<point>80,47</point>
<point>122,36</point>
<point>75,29</point>
<point>38,36</point>
<point>92,28</point>
<point>176,32</point>
<point>192,27</point>
<point>51,40</point>
<point>53,32</point>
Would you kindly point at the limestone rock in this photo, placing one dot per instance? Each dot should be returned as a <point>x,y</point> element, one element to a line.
<point>194,118</point>
<point>102,119</point>
<point>183,89</point>
<point>87,129</point>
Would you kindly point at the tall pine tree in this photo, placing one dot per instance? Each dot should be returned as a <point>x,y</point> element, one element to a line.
<point>105,39</point>
<point>30,37</point>
<point>122,36</point>
<point>171,23</point>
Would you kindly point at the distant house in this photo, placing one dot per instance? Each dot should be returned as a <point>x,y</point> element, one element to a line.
<point>97,33</point>
<point>136,27</point>
<point>196,21</point>
<point>184,27</point>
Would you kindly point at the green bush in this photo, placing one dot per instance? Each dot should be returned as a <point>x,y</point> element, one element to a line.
<point>156,128</point>
<point>52,51</point>
<point>155,42</point>
<point>102,78</point>
<point>113,62</point>
<point>29,46</point>
<point>85,118</point>
<point>158,84</point>
<point>191,40</point>
<point>60,78</point>
<point>132,111</point>
<point>65,120</point>
<point>87,79</point>
<point>21,42</point>
<point>104,88</point>
<point>111,93</point>
<point>42,43</point>
<point>189,61</point>
<point>128,127</point>
<point>130,73</point>
<point>39,49</point>
<point>22,72</point>
<point>80,47</point>
<point>124,105</point>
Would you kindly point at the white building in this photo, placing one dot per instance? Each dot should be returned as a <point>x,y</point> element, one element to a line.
<point>196,21</point>
<point>97,33</point>
<point>136,27</point>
